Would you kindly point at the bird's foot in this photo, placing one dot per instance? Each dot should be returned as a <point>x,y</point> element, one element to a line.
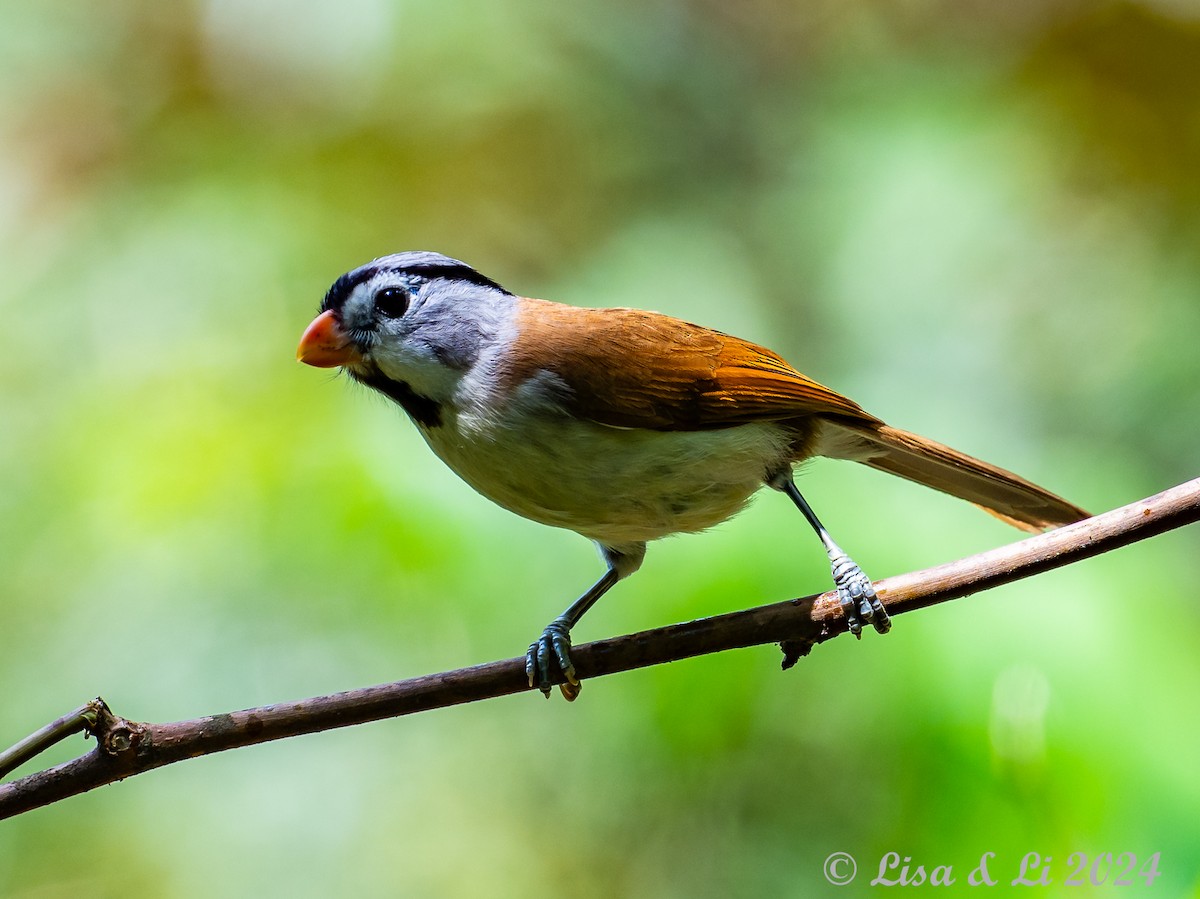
<point>552,647</point>
<point>857,596</point>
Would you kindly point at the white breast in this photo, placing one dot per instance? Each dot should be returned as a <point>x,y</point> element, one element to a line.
<point>613,485</point>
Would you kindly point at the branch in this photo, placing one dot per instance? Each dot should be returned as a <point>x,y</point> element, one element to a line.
<point>126,748</point>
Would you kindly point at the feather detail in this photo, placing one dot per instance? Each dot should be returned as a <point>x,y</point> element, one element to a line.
<point>633,369</point>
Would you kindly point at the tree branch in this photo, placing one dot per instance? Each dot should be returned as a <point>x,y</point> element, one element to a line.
<point>126,748</point>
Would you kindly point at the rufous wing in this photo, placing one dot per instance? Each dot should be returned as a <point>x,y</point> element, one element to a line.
<point>633,369</point>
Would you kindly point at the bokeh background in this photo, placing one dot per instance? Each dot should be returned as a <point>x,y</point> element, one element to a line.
<point>980,220</point>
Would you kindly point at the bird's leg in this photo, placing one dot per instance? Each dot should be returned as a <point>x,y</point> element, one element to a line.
<point>555,642</point>
<point>857,596</point>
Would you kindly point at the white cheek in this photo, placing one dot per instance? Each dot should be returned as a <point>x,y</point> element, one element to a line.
<point>417,366</point>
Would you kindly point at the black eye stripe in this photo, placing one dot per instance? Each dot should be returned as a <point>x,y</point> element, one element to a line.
<point>452,272</point>
<point>417,267</point>
<point>391,302</point>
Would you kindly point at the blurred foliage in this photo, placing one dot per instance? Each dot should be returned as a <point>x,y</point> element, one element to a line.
<point>980,220</point>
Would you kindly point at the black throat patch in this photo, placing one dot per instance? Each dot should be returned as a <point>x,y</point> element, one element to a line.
<point>421,409</point>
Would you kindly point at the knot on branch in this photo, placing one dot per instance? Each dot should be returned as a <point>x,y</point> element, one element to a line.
<point>116,736</point>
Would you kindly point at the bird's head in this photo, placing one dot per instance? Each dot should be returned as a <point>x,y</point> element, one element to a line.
<point>410,322</point>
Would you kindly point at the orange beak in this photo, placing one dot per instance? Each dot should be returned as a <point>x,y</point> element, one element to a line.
<point>325,344</point>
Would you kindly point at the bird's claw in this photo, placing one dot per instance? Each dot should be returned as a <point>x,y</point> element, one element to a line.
<point>857,597</point>
<point>553,646</point>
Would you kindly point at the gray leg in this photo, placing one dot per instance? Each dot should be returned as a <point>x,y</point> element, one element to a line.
<point>555,641</point>
<point>858,599</point>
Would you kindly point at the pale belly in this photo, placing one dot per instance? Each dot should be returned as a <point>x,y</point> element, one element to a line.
<point>613,485</point>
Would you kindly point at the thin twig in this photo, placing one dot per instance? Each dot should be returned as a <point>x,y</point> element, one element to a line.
<point>126,748</point>
<point>82,719</point>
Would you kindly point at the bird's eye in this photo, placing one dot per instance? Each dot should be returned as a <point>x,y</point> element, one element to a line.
<point>391,302</point>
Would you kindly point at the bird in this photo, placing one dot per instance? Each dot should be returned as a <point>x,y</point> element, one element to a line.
<point>622,425</point>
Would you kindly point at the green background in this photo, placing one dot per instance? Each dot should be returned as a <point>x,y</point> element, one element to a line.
<point>979,220</point>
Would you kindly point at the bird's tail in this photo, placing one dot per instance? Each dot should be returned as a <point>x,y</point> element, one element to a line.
<point>1010,498</point>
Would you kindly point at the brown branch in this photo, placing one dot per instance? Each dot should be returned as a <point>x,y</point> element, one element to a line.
<point>126,748</point>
